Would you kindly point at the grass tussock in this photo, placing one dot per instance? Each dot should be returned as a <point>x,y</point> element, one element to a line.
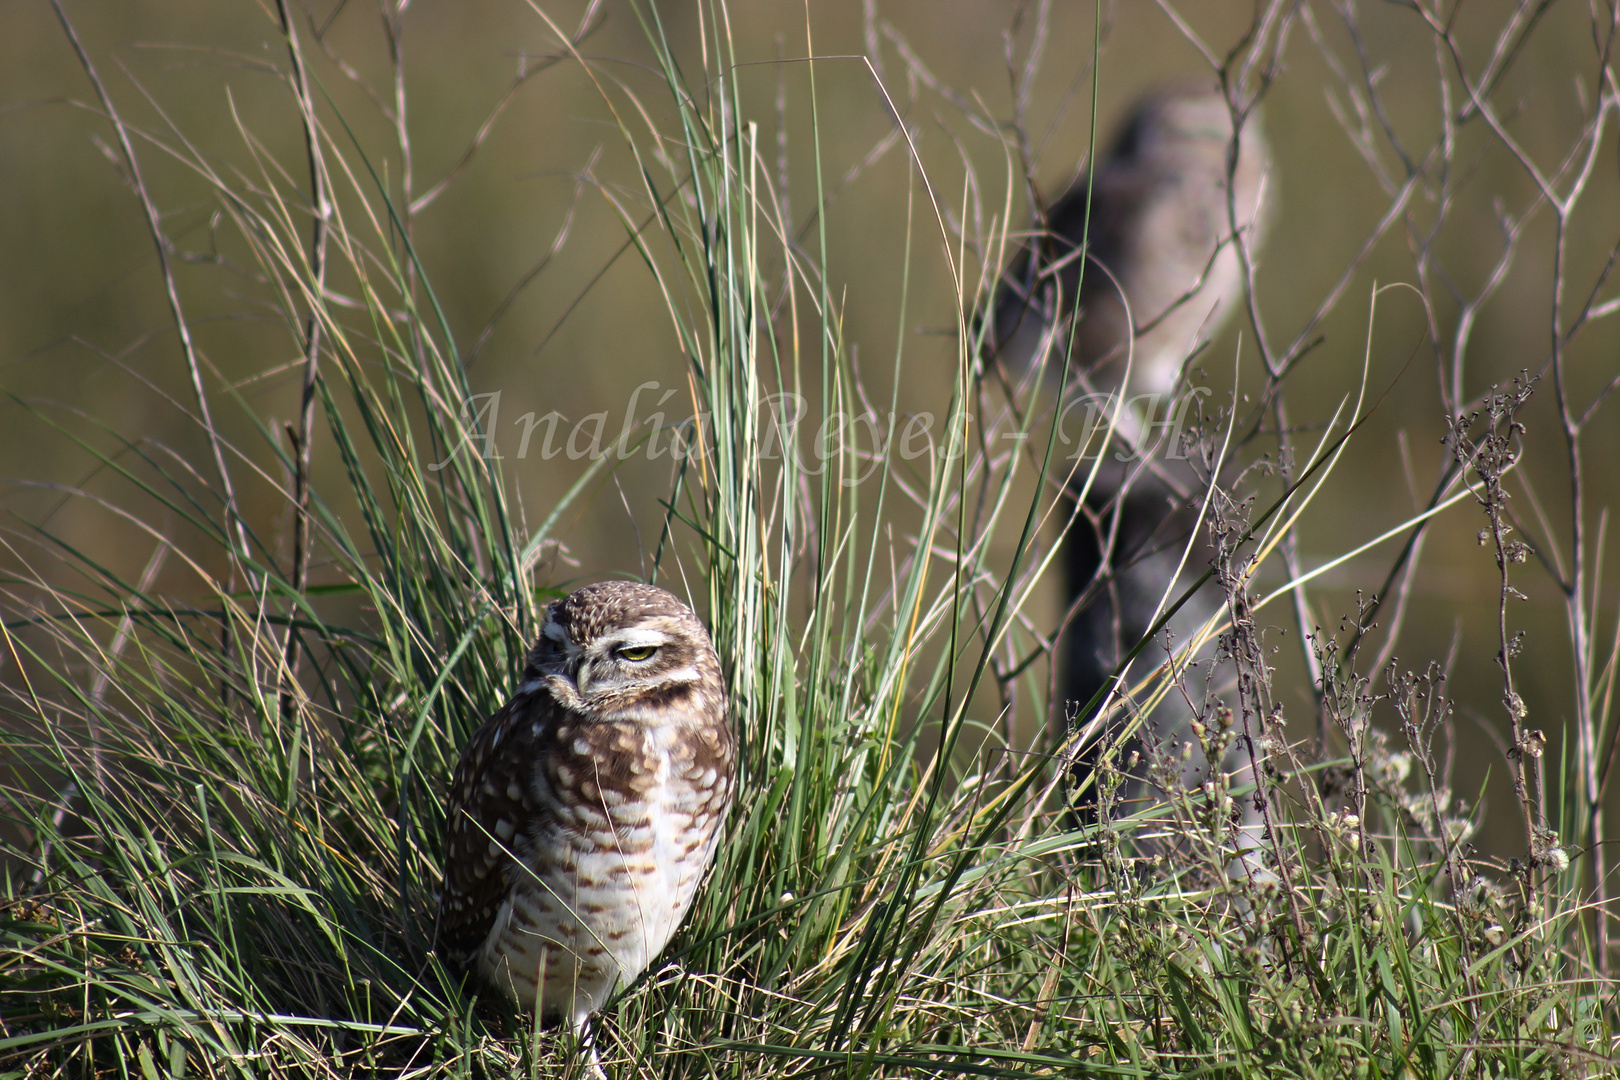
<point>224,800</point>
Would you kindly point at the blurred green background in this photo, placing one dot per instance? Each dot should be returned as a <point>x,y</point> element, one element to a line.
<point>87,340</point>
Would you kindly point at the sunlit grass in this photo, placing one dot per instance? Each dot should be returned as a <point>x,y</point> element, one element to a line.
<point>218,869</point>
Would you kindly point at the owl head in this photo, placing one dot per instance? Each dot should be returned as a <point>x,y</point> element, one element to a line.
<point>1184,117</point>
<point>620,650</point>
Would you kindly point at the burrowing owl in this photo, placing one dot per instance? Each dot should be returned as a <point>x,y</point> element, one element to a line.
<point>1161,276</point>
<point>1162,263</point>
<point>584,812</point>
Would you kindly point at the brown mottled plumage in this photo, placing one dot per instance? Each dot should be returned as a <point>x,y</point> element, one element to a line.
<point>584,813</point>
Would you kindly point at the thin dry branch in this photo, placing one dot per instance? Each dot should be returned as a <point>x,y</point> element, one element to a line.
<point>303,439</point>
<point>154,224</point>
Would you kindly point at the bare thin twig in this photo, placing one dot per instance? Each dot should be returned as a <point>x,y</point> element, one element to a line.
<point>154,224</point>
<point>303,439</point>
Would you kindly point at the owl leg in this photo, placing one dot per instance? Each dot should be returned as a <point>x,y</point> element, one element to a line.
<point>1126,559</point>
<point>1149,524</point>
<point>587,1039</point>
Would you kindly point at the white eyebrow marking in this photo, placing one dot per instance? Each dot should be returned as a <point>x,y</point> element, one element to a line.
<point>634,637</point>
<point>554,630</point>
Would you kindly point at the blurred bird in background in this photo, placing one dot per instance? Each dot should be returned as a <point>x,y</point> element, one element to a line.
<point>1138,274</point>
<point>1162,274</point>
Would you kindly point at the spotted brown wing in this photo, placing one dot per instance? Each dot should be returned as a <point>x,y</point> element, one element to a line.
<point>490,804</point>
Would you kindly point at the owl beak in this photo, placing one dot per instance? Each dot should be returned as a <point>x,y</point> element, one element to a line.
<point>566,692</point>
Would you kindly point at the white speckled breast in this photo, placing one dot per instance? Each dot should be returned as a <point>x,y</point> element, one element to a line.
<point>631,825</point>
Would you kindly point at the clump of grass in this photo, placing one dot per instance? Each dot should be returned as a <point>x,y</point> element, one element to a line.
<point>226,798</point>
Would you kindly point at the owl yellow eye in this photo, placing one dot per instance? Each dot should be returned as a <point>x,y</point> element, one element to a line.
<point>638,652</point>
